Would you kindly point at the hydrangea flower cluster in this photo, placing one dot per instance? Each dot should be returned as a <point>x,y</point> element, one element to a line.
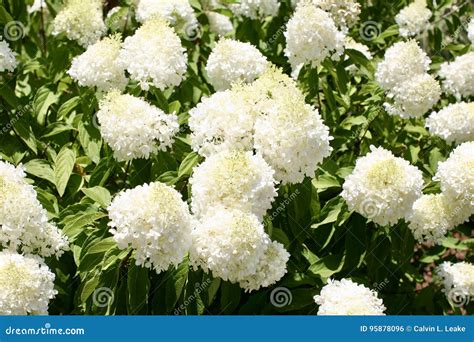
<point>458,280</point>
<point>233,245</point>
<point>470,31</point>
<point>81,20</point>
<point>344,12</point>
<point>220,122</point>
<point>403,74</point>
<point>27,284</point>
<point>179,13</point>
<point>133,128</point>
<point>432,216</point>
<point>456,175</point>
<point>99,67</point>
<point>311,24</point>
<point>219,24</point>
<point>345,297</point>
<point>154,221</point>
<point>413,97</point>
<point>453,123</point>
<point>382,187</point>
<point>232,61</point>
<point>7,57</point>
<point>458,76</point>
<point>413,18</point>
<point>402,61</point>
<point>233,179</point>
<point>154,55</point>
<point>23,219</point>
<point>256,9</point>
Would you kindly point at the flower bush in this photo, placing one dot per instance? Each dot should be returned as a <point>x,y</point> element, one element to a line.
<point>236,157</point>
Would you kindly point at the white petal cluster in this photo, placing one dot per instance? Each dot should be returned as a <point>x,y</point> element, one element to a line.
<point>99,67</point>
<point>432,216</point>
<point>413,18</point>
<point>413,97</point>
<point>23,220</point>
<point>289,134</point>
<point>344,12</point>
<point>402,61</point>
<point>233,245</point>
<point>26,284</point>
<point>345,297</point>
<point>453,123</point>
<point>233,179</point>
<point>382,187</point>
<point>458,75</point>
<point>232,61</point>
<point>221,122</point>
<point>154,55</point>
<point>255,9</point>
<point>311,36</point>
<point>155,222</point>
<point>81,20</point>
<point>470,30</point>
<point>456,174</point>
<point>219,24</point>
<point>7,57</point>
<point>133,128</point>
<point>37,6</point>
<point>458,280</point>
<point>179,13</point>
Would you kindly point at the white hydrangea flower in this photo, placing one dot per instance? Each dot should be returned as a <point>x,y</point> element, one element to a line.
<point>453,123</point>
<point>255,9</point>
<point>81,20</point>
<point>221,122</point>
<point>23,219</point>
<point>456,174</point>
<point>232,61</point>
<point>270,269</point>
<point>99,67</point>
<point>233,179</point>
<point>289,134</point>
<point>179,13</point>
<point>413,97</point>
<point>459,75</point>
<point>470,30</point>
<point>133,128</point>
<point>233,245</point>
<point>432,216</point>
<point>403,60</point>
<point>154,55</point>
<point>155,222</point>
<point>8,60</point>
<point>344,12</point>
<point>382,187</point>
<point>219,24</point>
<point>345,297</point>
<point>413,18</point>
<point>26,283</point>
<point>312,36</point>
<point>458,280</point>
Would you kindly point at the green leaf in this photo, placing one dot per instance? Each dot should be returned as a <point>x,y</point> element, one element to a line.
<point>138,288</point>
<point>67,107</point>
<point>175,284</point>
<point>43,99</point>
<point>327,266</point>
<point>63,167</point>
<point>99,195</point>
<point>41,169</point>
<point>187,165</point>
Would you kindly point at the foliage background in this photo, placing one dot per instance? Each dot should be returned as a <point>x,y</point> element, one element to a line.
<point>48,124</point>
